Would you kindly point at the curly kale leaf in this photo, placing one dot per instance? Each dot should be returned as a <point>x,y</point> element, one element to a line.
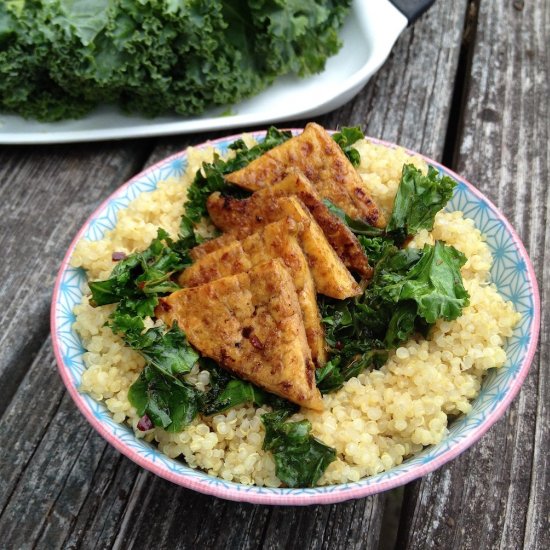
<point>345,138</point>
<point>375,247</point>
<point>167,399</point>
<point>403,322</point>
<point>299,34</point>
<point>167,350</point>
<point>354,331</point>
<point>160,393</point>
<point>300,458</point>
<point>26,84</point>
<point>419,198</point>
<point>434,282</point>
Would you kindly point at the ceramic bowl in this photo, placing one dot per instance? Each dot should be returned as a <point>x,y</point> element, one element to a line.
<point>512,273</point>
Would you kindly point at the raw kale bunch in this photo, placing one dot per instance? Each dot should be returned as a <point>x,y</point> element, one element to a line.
<point>61,58</point>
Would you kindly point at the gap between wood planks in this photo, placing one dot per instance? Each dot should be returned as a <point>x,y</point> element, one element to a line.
<point>393,511</point>
<point>455,124</point>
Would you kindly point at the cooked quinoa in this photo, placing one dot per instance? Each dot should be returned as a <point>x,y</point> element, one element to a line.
<point>374,421</point>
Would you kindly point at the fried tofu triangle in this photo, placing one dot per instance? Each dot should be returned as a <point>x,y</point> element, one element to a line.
<point>319,157</point>
<point>251,325</point>
<point>211,245</point>
<point>241,218</point>
<point>338,234</point>
<point>275,240</point>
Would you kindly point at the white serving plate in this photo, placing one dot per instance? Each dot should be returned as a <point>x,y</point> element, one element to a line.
<point>368,36</point>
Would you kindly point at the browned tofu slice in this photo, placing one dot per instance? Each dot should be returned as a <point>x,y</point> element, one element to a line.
<point>211,245</point>
<point>275,240</point>
<point>243,217</point>
<point>247,216</point>
<point>226,260</point>
<point>251,325</point>
<point>319,157</point>
<point>338,234</point>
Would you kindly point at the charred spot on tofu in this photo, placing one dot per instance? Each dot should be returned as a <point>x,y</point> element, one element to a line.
<point>256,342</point>
<point>164,305</point>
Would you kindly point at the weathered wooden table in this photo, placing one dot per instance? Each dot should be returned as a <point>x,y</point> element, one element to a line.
<point>468,85</point>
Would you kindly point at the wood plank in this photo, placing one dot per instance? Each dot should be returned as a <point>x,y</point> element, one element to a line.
<point>72,488</point>
<point>55,468</point>
<point>47,193</point>
<point>408,101</point>
<point>351,525</point>
<point>496,495</point>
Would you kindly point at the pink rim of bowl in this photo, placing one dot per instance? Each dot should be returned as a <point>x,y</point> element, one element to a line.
<point>297,497</point>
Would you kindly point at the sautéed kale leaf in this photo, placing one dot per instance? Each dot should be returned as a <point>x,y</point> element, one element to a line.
<point>137,280</point>
<point>167,400</point>
<point>167,350</point>
<point>345,138</point>
<point>160,392</point>
<point>419,198</point>
<point>211,177</point>
<point>410,290</point>
<point>300,458</point>
<point>227,392</point>
<point>331,377</point>
<point>434,282</point>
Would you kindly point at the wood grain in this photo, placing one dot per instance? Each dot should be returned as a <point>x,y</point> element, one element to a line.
<point>47,193</point>
<point>497,494</point>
